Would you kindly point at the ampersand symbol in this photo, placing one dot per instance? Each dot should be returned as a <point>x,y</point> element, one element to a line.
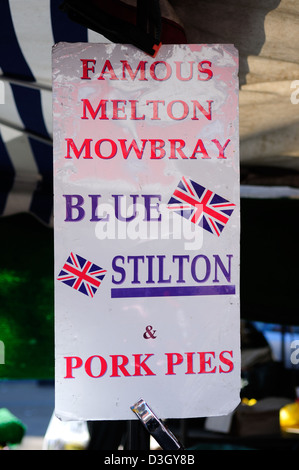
<point>149,332</point>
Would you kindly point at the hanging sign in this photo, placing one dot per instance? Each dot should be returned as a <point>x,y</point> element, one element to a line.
<point>146,173</point>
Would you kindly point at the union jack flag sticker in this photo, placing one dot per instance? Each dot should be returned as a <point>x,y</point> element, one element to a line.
<point>201,206</point>
<point>82,275</point>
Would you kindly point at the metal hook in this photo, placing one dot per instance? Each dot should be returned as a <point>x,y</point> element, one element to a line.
<point>155,427</point>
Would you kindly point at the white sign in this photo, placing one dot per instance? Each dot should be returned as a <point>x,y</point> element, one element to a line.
<point>146,165</point>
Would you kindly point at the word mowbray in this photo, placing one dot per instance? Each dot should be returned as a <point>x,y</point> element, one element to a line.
<point>155,149</point>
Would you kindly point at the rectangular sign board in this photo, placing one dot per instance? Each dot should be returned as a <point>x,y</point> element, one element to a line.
<point>146,176</point>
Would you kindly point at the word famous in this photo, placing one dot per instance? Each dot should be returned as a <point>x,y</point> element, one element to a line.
<point>159,70</point>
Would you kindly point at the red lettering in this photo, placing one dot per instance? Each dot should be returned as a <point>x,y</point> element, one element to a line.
<point>203,361</point>
<point>109,70</point>
<point>97,148</point>
<point>140,67</point>
<point>220,147</point>
<point>168,71</point>
<point>190,363</point>
<point>102,106</point>
<point>84,147</point>
<point>173,359</point>
<point>176,145</point>
<point>155,108</point>
<point>117,110</point>
<point>207,114</point>
<point>159,70</point>
<point>200,148</point>
<point>116,366</point>
<point>157,147</point>
<point>155,150</point>
<point>184,113</point>
<point>103,366</point>
<point>176,110</point>
<point>206,71</point>
<point>85,68</point>
<point>141,365</point>
<point>96,366</point>
<point>133,111</point>
<point>126,152</point>
<point>226,361</point>
<point>70,365</point>
<point>178,71</point>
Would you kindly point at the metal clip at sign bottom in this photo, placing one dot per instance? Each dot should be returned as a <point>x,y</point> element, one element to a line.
<point>155,427</point>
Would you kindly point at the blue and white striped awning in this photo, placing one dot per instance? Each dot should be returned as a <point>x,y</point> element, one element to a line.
<point>28,31</point>
<point>264,32</point>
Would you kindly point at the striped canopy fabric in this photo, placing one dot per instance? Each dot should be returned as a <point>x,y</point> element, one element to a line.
<point>28,31</point>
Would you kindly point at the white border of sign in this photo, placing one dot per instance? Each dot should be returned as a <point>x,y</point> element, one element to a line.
<point>147,228</point>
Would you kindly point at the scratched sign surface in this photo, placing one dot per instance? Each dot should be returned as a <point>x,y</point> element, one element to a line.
<point>146,173</point>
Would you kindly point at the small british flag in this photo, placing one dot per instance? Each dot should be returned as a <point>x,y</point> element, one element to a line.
<point>82,275</point>
<point>201,206</point>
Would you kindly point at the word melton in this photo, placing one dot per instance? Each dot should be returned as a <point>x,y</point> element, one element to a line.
<point>120,365</point>
<point>159,70</point>
<point>154,149</point>
<point>116,110</point>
